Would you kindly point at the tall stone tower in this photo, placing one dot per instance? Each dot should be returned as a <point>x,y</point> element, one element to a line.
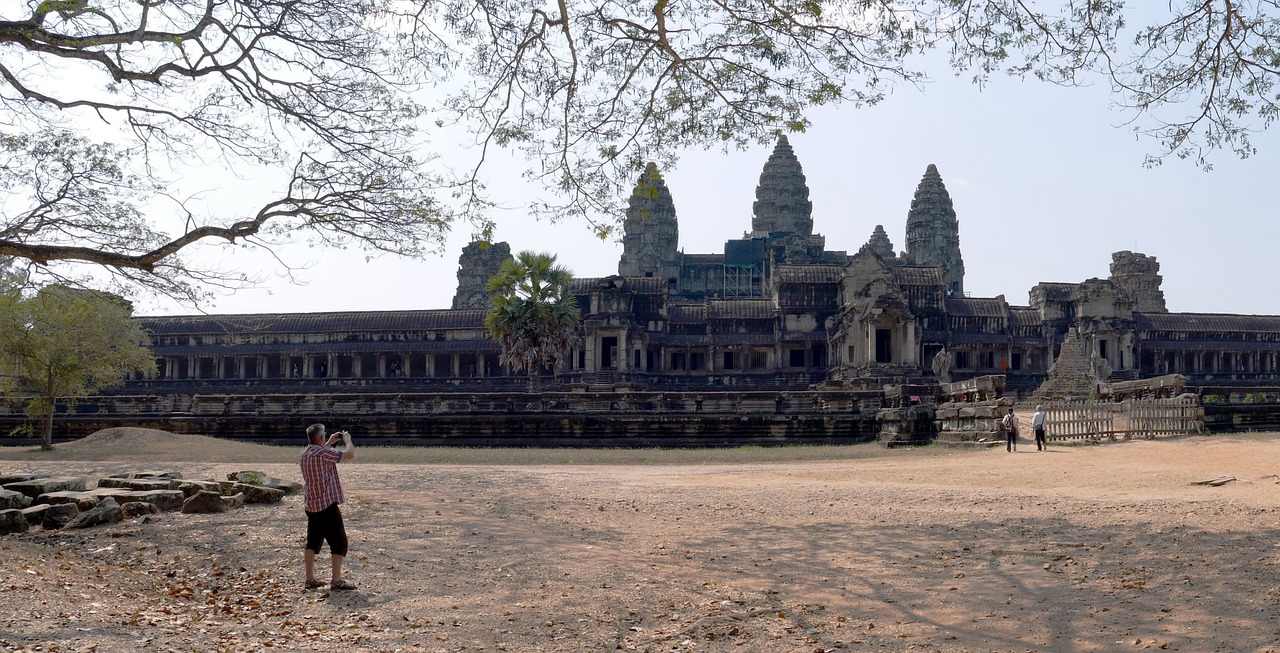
<point>650,232</point>
<point>479,262</point>
<point>782,198</point>
<point>933,232</point>
<point>1139,276</point>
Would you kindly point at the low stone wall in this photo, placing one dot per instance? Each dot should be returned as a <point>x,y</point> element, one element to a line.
<point>977,421</point>
<point>605,419</point>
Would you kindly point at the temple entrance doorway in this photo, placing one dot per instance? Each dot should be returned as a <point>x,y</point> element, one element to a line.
<point>608,352</point>
<point>884,346</point>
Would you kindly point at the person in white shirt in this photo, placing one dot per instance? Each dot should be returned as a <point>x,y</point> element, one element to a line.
<point>1038,424</point>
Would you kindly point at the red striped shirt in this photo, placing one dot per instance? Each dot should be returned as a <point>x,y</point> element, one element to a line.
<point>320,476</point>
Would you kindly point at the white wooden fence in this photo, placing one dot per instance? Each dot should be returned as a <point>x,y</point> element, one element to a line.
<point>1131,418</point>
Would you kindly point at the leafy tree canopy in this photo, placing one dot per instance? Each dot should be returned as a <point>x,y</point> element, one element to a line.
<point>534,316</point>
<point>64,342</point>
<point>106,104</point>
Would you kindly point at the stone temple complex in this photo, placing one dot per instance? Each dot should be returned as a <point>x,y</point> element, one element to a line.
<point>775,309</point>
<point>776,339</point>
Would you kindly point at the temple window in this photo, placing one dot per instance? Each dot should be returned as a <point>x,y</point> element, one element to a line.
<point>729,361</point>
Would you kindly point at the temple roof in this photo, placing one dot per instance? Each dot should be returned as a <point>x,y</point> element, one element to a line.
<point>916,275</point>
<point>976,307</point>
<point>337,347</point>
<point>248,325</point>
<point>807,273</point>
<point>721,309</point>
<point>642,285</point>
<point>1206,322</point>
<point>687,313</point>
<point>1024,316</point>
<point>695,260</point>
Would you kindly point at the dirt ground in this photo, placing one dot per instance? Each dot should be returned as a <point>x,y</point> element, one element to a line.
<point>1081,548</point>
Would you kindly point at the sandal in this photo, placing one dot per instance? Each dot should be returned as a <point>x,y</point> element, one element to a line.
<point>342,584</point>
<point>313,584</point>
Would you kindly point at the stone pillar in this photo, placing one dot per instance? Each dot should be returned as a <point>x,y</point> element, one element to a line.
<point>455,365</point>
<point>910,355</point>
<point>869,351</point>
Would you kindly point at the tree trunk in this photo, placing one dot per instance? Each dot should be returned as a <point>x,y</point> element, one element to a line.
<point>46,440</point>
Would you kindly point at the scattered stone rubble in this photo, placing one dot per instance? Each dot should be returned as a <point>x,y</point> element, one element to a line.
<point>29,500</point>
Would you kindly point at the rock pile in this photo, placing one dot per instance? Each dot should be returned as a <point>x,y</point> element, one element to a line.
<point>28,500</point>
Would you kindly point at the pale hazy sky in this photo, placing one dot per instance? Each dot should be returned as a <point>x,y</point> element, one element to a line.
<point>1047,182</point>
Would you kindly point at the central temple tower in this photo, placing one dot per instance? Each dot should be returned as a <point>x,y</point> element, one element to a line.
<point>782,198</point>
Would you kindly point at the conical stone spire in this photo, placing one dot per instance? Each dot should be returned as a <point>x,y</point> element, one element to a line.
<point>650,233</point>
<point>782,198</point>
<point>879,243</point>
<point>933,231</point>
<point>479,262</point>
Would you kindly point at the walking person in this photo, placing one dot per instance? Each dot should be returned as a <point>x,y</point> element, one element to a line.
<point>1010,423</point>
<point>323,493</point>
<point>1039,422</point>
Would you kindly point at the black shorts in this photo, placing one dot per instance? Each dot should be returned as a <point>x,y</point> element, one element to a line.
<point>327,525</point>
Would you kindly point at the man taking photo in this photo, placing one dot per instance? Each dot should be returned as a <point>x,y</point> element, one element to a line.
<point>319,463</point>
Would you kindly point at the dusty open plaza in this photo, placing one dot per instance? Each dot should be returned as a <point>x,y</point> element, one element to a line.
<point>1082,548</point>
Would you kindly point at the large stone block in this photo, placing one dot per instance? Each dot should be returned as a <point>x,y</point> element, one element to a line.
<point>12,521</point>
<point>38,486</point>
<point>6,479</point>
<point>259,478</point>
<point>253,493</point>
<point>204,502</point>
<point>57,516</point>
<point>35,514</point>
<point>11,500</point>
<point>188,488</point>
<point>167,474</point>
<point>107,512</point>
<point>81,500</point>
<point>139,508</point>
<point>163,499</point>
<point>134,483</point>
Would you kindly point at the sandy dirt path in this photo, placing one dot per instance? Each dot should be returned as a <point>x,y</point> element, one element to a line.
<point>1085,548</point>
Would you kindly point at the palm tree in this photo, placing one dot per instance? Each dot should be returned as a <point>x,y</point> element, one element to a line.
<point>533,318</point>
